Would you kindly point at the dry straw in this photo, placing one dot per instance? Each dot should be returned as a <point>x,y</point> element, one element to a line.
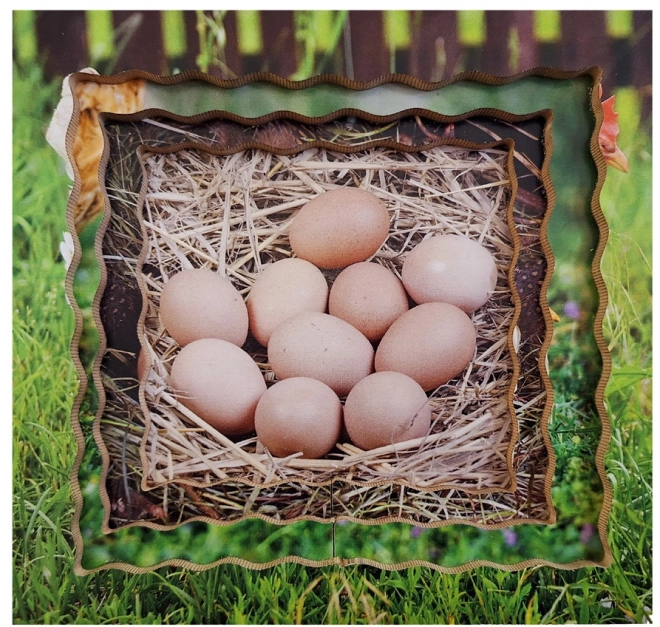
<point>231,214</point>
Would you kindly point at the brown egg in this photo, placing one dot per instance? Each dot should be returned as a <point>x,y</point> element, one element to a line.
<point>368,296</point>
<point>384,408</point>
<point>199,303</point>
<point>431,343</point>
<point>339,227</point>
<point>322,347</point>
<point>282,289</point>
<point>299,415</point>
<point>220,382</point>
<point>450,269</point>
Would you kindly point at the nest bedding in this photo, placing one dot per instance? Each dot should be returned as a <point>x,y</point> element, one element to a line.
<point>123,242</point>
<point>183,214</point>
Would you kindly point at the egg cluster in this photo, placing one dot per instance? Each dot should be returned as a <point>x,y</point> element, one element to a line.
<point>379,342</point>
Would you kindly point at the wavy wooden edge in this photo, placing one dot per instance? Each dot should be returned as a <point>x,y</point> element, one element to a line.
<point>606,368</point>
<point>333,79</point>
<point>549,322</point>
<point>510,144</point>
<point>340,562</point>
<point>145,151</point>
<point>594,72</point>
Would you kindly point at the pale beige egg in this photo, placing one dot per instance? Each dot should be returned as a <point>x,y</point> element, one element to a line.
<point>385,408</point>
<point>282,289</point>
<point>322,347</point>
<point>431,343</point>
<point>368,296</point>
<point>450,269</point>
<point>339,227</point>
<point>200,303</point>
<point>219,382</point>
<point>299,415</point>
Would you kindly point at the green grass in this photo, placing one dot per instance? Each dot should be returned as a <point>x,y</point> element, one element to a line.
<point>47,591</point>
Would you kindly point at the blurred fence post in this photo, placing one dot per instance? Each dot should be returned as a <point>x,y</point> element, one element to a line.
<point>363,45</point>
<point>62,39</point>
<point>510,43</point>
<point>499,25</point>
<point>642,52</point>
<point>279,42</point>
<point>144,50</point>
<point>370,54</point>
<point>435,52</point>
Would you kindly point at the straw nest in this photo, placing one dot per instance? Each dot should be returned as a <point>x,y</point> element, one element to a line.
<point>231,214</point>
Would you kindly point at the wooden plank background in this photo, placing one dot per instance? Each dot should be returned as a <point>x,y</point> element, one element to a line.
<point>362,45</point>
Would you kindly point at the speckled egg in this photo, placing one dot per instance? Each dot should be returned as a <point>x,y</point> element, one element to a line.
<point>299,415</point>
<point>368,296</point>
<point>322,347</point>
<point>385,408</point>
<point>339,227</point>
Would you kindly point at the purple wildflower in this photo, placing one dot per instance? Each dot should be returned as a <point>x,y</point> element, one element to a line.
<point>510,537</point>
<point>587,533</point>
<point>415,532</point>
<point>572,309</point>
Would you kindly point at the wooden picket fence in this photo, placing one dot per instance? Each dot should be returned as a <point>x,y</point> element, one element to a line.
<point>430,45</point>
